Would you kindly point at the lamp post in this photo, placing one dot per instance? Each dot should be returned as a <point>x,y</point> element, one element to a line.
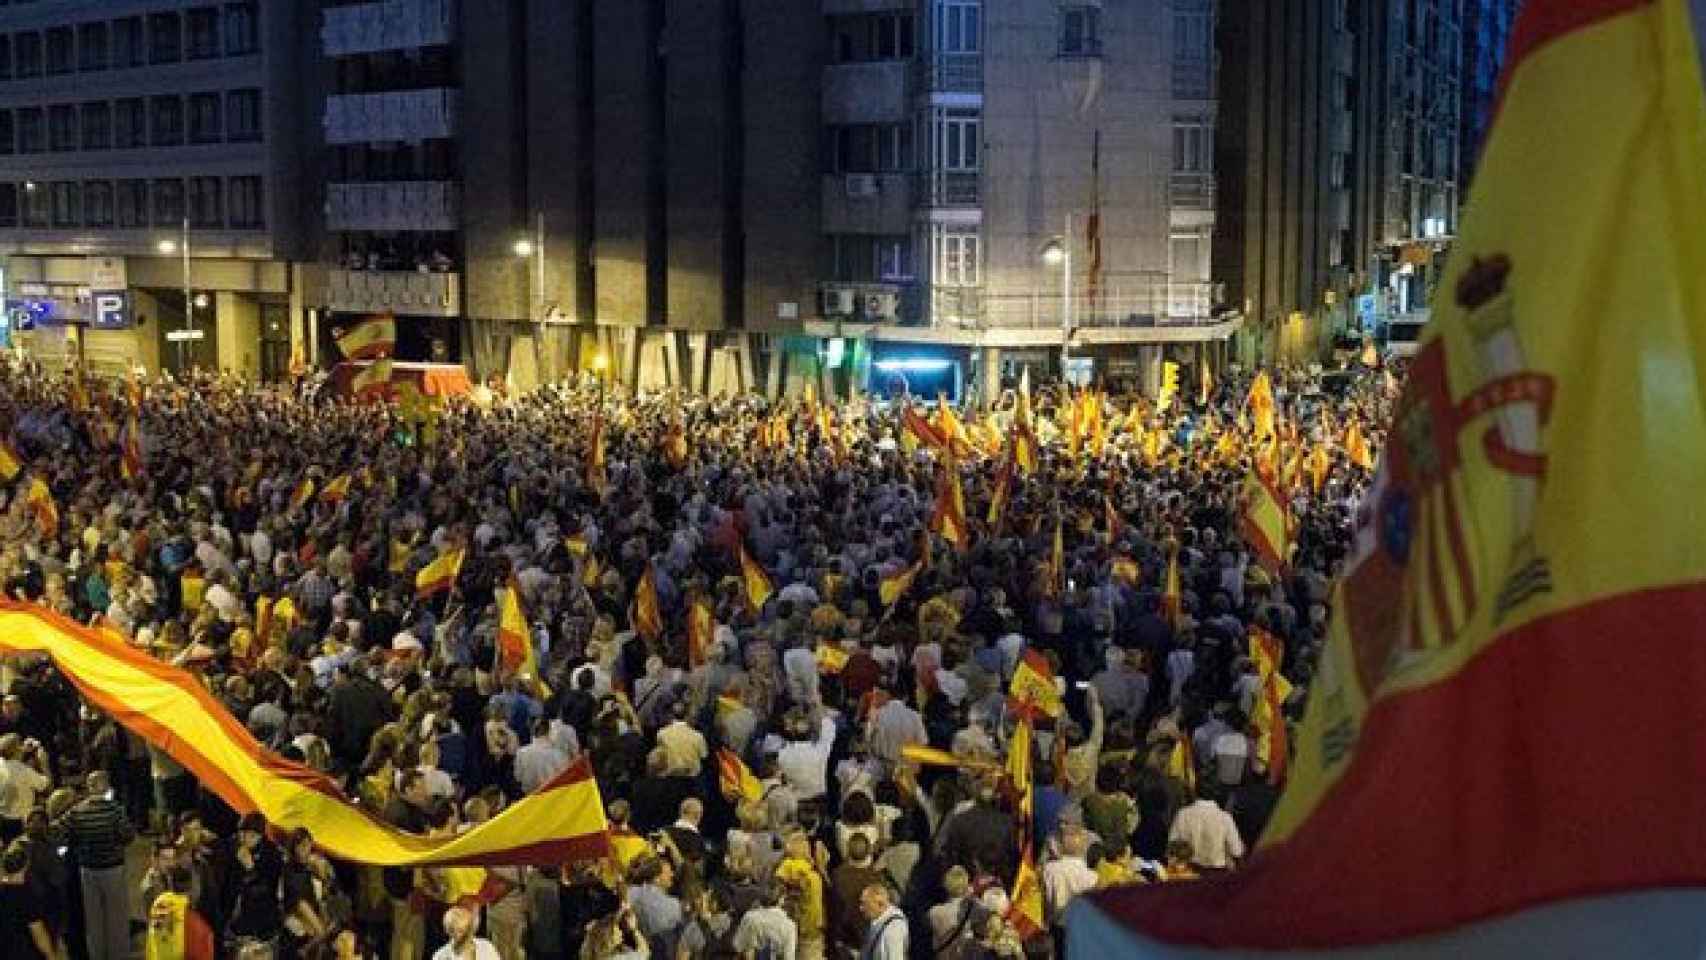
<point>1058,253</point>
<point>169,247</point>
<point>534,248</point>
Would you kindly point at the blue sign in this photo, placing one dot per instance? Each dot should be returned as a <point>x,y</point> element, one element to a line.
<point>30,314</point>
<point>110,310</point>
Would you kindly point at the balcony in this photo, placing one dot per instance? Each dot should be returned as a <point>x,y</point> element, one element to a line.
<point>1126,301</point>
<point>872,92</point>
<point>408,116</point>
<point>874,203</point>
<point>406,292</point>
<point>387,25</point>
<point>1191,191</point>
<point>948,188</point>
<point>951,73</point>
<point>418,206</point>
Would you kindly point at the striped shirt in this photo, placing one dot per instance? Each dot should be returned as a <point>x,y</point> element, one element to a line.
<point>98,831</point>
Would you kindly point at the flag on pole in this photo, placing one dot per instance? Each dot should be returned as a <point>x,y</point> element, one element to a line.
<point>1356,446</point>
<point>921,430</point>
<point>1093,230</point>
<point>336,490</point>
<point>1260,403</point>
<point>646,615</point>
<point>701,629</point>
<point>756,581</point>
<point>370,339</point>
<point>1024,437</point>
<point>440,575</point>
<point>1172,593</point>
<point>1207,393</point>
<point>1001,494</point>
<point>736,779</point>
<point>130,449</point>
<point>595,475</point>
<point>41,504</point>
<point>303,493</point>
<point>949,517</point>
<point>1033,690</point>
<point>515,637</point>
<point>895,585</point>
<point>1266,523</point>
<point>1500,544</point>
<point>1169,386</point>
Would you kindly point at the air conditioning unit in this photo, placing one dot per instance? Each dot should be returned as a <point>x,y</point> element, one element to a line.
<point>881,306</point>
<point>863,185</point>
<point>837,302</point>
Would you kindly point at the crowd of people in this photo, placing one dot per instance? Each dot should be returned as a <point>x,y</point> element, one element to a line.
<point>179,504</point>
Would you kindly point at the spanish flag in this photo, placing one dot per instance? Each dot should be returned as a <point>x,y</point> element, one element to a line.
<point>336,489</point>
<point>757,582</point>
<point>922,430</point>
<point>303,493</point>
<point>1266,523</point>
<point>1033,688</point>
<point>11,463</point>
<point>701,629</point>
<point>373,337</point>
<point>397,558</point>
<point>1356,446</point>
<point>515,637</point>
<point>1023,434</point>
<point>646,616</point>
<point>1172,593</point>
<point>831,659</point>
<point>1001,494</point>
<point>1025,906</point>
<point>176,931</point>
<point>894,586</point>
<point>595,475</point>
<point>374,380</point>
<point>40,501</point>
<point>1260,403</point>
<point>1438,801</point>
<point>130,450</point>
<point>949,517</point>
<point>439,576</point>
<point>736,779</point>
<point>170,709</point>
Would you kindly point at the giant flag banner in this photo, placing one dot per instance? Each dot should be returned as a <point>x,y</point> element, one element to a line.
<point>170,709</point>
<point>1480,772</point>
<point>373,337</point>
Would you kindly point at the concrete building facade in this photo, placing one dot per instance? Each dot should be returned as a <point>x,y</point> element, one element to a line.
<point>1487,26</point>
<point>130,132</point>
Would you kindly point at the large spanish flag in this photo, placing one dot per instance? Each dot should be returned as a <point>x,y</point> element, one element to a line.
<point>1504,753</point>
<point>170,709</point>
<point>371,338</point>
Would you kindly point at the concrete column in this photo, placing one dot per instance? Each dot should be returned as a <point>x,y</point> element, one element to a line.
<point>238,333</point>
<point>775,378</point>
<point>989,375</point>
<point>698,362</point>
<point>748,366</point>
<point>629,369</point>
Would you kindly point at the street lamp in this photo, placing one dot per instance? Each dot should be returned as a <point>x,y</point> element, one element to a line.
<point>1057,252</point>
<point>535,248</point>
<point>167,247</point>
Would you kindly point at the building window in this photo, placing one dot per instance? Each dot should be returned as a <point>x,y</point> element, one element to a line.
<point>166,123</point>
<point>204,118</point>
<point>206,196</point>
<point>129,43</point>
<point>247,207</point>
<point>165,38</point>
<point>958,140</point>
<point>1336,169</point>
<point>98,203</point>
<point>168,203</point>
<point>26,51</point>
<point>67,203</point>
<point>867,259</point>
<point>92,47</point>
<point>97,126</point>
<point>243,115</point>
<point>132,203</point>
<point>958,27</point>
<point>130,123</point>
<point>60,52</point>
<point>7,134</point>
<point>32,131</point>
<point>5,59</point>
<point>957,263</point>
<point>202,25</point>
<point>892,37</point>
<point>1193,145</point>
<point>1080,31</point>
<point>870,148</point>
<point>38,204</point>
<point>8,205</point>
<point>242,33</point>
<point>62,128</point>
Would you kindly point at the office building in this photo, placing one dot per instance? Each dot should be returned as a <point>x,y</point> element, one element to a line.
<point>133,132</point>
<point>1487,28</point>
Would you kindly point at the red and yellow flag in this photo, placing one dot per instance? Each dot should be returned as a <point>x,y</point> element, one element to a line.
<point>374,380</point>
<point>1025,906</point>
<point>176,931</point>
<point>303,493</point>
<point>1524,513</point>
<point>130,450</point>
<point>373,337</point>
<point>1033,690</point>
<point>515,637</point>
<point>949,517</point>
<point>1260,403</point>
<point>171,709</point>
<point>336,489</point>
<point>921,430</point>
<point>595,474</point>
<point>831,659</point>
<point>647,615</point>
<point>1001,494</point>
<point>1172,592</point>
<point>736,779</point>
<point>701,629</point>
<point>42,507</point>
<point>11,462</point>
<point>439,576</point>
<point>1356,446</point>
<point>755,580</point>
<point>1265,523</point>
<point>894,586</point>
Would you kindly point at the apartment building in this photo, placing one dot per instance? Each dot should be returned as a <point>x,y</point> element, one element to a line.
<point>962,140</point>
<point>149,180</point>
<point>1487,26</point>
<point>1287,246</point>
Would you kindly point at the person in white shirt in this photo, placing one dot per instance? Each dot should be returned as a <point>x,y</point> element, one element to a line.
<point>1214,840</point>
<point>459,925</point>
<point>1069,875</point>
<point>23,778</point>
<point>1231,753</point>
<point>541,760</point>
<point>886,937</point>
<point>804,762</point>
<point>438,782</point>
